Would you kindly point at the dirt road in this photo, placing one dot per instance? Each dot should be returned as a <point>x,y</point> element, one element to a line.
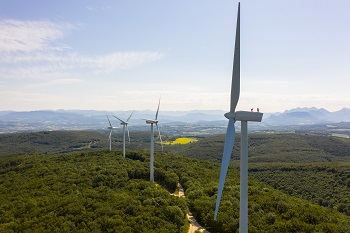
<point>194,225</point>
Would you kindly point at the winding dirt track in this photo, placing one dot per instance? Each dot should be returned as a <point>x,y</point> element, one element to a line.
<point>194,225</point>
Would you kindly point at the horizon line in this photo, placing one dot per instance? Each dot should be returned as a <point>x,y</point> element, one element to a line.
<point>60,109</point>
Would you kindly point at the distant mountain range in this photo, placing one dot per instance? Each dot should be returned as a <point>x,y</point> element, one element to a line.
<point>307,116</point>
<point>12,121</point>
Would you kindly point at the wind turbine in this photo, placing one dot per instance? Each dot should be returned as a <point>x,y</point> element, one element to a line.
<point>110,133</point>
<point>125,125</point>
<point>244,117</point>
<point>155,121</point>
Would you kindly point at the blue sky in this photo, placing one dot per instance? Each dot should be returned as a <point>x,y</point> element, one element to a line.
<point>122,55</point>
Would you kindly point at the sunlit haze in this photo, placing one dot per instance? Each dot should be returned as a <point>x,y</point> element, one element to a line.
<point>123,55</point>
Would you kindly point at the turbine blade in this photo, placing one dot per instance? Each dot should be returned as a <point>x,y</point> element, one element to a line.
<point>229,143</point>
<point>130,116</point>
<point>158,108</point>
<point>160,137</point>
<point>119,119</point>
<point>109,121</point>
<point>128,133</point>
<point>235,86</point>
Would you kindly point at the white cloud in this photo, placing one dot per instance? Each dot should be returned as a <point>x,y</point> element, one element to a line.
<point>49,65</point>
<point>108,61</point>
<point>29,50</point>
<point>28,35</point>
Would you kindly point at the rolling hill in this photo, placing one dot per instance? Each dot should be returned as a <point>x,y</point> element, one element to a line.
<point>309,171</point>
<point>100,191</point>
<point>262,147</point>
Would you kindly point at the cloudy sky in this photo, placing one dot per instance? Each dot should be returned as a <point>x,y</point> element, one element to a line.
<point>122,54</point>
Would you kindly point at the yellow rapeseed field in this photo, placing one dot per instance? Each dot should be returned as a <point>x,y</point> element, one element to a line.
<point>181,141</point>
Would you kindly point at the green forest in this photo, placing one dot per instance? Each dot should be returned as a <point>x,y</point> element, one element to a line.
<point>87,192</point>
<point>67,182</point>
<point>326,184</point>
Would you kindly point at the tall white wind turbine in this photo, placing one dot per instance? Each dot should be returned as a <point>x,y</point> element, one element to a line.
<point>244,117</point>
<point>110,133</point>
<point>155,121</point>
<point>125,125</point>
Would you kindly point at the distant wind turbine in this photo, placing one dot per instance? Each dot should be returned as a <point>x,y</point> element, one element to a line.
<point>155,121</point>
<point>125,125</point>
<point>110,133</point>
<point>244,117</point>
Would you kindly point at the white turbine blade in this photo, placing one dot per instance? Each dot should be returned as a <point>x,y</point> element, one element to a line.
<point>235,88</point>
<point>128,133</point>
<point>130,116</point>
<point>109,121</point>
<point>160,137</point>
<point>229,143</point>
<point>119,119</point>
<point>158,109</point>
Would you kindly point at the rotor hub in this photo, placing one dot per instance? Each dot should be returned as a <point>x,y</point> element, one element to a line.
<point>229,115</point>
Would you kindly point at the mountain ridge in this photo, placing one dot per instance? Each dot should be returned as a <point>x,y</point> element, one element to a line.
<point>16,121</point>
<point>300,116</point>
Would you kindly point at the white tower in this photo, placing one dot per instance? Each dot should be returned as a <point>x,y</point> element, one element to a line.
<point>125,125</point>
<point>244,117</point>
<point>151,122</point>
<point>110,133</point>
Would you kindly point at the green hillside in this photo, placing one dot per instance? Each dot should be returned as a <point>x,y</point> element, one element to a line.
<point>262,147</point>
<point>86,192</point>
<point>101,191</point>
<point>326,184</point>
<point>292,148</point>
<point>51,142</point>
<point>313,168</point>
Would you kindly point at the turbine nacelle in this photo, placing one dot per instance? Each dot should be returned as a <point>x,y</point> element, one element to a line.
<point>244,116</point>
<point>248,116</point>
<point>148,121</point>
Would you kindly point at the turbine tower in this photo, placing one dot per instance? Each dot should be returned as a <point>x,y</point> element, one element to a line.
<point>244,117</point>
<point>110,133</point>
<point>155,121</point>
<point>125,125</point>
